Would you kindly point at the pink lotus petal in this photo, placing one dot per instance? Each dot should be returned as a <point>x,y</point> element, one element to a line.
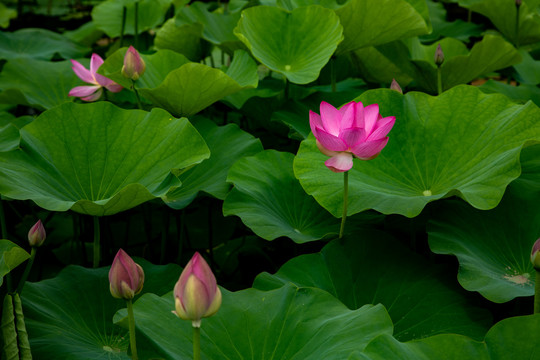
<point>326,151</point>
<point>340,163</point>
<point>95,62</point>
<point>314,122</point>
<point>370,149</point>
<point>83,74</point>
<point>331,118</point>
<point>114,87</point>
<point>352,136</point>
<point>382,128</point>
<point>331,142</point>
<point>348,113</point>
<point>371,115</point>
<point>359,115</point>
<point>80,91</point>
<point>95,96</point>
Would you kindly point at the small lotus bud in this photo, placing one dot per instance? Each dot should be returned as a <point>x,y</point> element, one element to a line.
<point>196,294</point>
<point>518,3</point>
<point>37,234</point>
<point>134,65</point>
<point>535,255</point>
<point>439,56</point>
<point>395,86</point>
<point>126,278</point>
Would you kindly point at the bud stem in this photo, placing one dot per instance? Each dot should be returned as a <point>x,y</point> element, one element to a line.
<point>96,242</point>
<point>345,200</point>
<point>136,25</point>
<point>132,339</point>
<point>537,293</point>
<point>516,41</point>
<point>439,80</point>
<point>136,95</point>
<point>197,343</point>
<point>122,29</point>
<point>27,270</point>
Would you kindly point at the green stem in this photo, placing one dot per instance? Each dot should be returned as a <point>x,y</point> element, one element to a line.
<point>139,104</point>
<point>439,80</point>
<point>516,42</point>
<point>136,25</point>
<point>27,270</point>
<point>197,342</point>
<point>96,242</point>
<point>345,201</point>
<point>132,339</point>
<point>333,74</point>
<point>123,28</point>
<point>537,293</point>
<point>469,16</point>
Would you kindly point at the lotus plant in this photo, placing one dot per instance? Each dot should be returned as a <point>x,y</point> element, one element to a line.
<point>133,69</point>
<point>36,237</point>
<point>352,131</point>
<point>196,296</point>
<point>98,81</point>
<point>126,279</point>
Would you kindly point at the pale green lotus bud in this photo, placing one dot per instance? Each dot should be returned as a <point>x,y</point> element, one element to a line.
<point>134,65</point>
<point>37,234</point>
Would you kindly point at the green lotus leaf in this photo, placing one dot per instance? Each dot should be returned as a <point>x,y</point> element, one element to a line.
<point>11,256</point>
<point>184,39</point>
<point>286,323</point>
<point>503,15</point>
<point>370,23</point>
<point>9,137</point>
<point>462,143</point>
<point>37,83</point>
<point>457,29</point>
<point>512,338</point>
<point>362,270</point>
<point>270,201</point>
<point>70,316</point>
<point>300,43</point>
<point>6,14</point>
<point>107,15</point>
<point>227,144</point>
<point>98,159</point>
<point>38,44</point>
<point>494,248</point>
<point>528,69</point>
<point>522,93</point>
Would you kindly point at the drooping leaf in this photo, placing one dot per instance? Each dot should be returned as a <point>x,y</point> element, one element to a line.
<point>98,159</point>
<point>371,267</point>
<point>227,144</point>
<point>286,323</point>
<point>462,143</point>
<point>300,43</point>
<point>270,201</point>
<point>11,256</point>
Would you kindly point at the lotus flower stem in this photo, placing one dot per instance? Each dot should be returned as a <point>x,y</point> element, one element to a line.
<point>439,80</point>
<point>139,104</point>
<point>516,42</point>
<point>196,343</point>
<point>132,338</point>
<point>136,24</point>
<point>123,28</point>
<point>96,242</point>
<point>537,293</point>
<point>27,270</point>
<point>345,201</point>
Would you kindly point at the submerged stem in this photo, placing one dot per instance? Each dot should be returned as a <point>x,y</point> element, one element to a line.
<point>345,200</point>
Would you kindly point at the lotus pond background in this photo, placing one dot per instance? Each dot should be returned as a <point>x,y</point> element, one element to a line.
<point>435,261</point>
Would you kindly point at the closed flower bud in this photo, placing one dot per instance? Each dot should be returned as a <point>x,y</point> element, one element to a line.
<point>439,56</point>
<point>126,278</point>
<point>196,294</point>
<point>134,65</point>
<point>535,255</point>
<point>395,86</point>
<point>37,234</point>
<point>518,3</point>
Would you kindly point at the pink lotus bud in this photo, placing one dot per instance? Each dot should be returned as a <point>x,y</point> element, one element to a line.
<point>439,56</point>
<point>535,255</point>
<point>134,65</point>
<point>126,278</point>
<point>518,3</point>
<point>395,86</point>
<point>196,294</point>
<point>37,234</point>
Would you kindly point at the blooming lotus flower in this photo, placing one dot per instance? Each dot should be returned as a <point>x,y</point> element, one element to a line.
<point>353,130</point>
<point>134,65</point>
<point>196,294</point>
<point>535,255</point>
<point>37,234</point>
<point>126,278</point>
<point>92,93</point>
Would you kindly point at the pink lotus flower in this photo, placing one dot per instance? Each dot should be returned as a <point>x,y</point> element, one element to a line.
<point>126,278</point>
<point>353,130</point>
<point>535,255</point>
<point>92,93</point>
<point>196,294</point>
<point>37,234</point>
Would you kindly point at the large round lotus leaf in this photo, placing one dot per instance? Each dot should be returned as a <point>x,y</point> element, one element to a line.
<point>71,316</point>
<point>107,16</point>
<point>457,29</point>
<point>38,44</point>
<point>98,159</point>
<point>184,39</point>
<point>41,84</point>
<point>362,270</point>
<point>299,43</point>
<point>370,23</point>
<point>512,338</point>
<point>270,201</point>
<point>502,14</point>
<point>287,323</point>
<point>493,248</point>
<point>227,144</point>
<point>11,256</point>
<point>461,143</point>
